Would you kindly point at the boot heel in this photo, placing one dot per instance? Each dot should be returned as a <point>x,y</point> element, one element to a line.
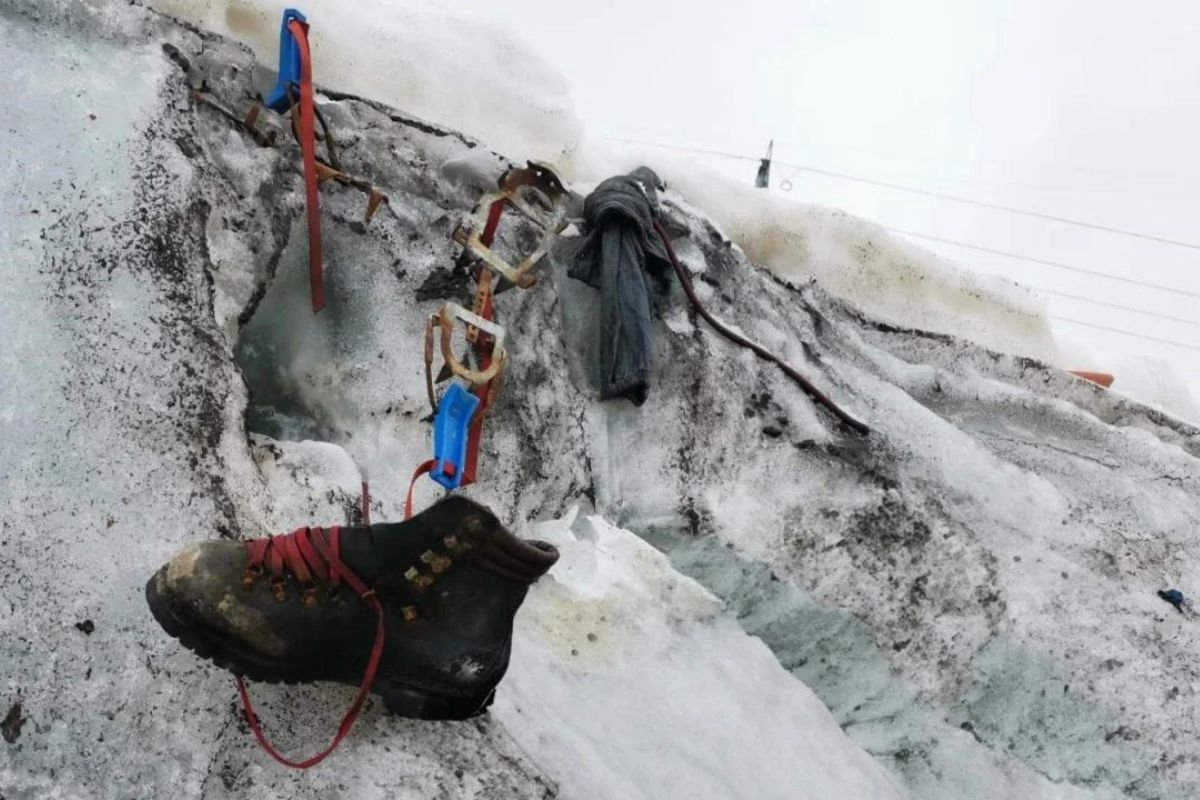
<point>406,701</point>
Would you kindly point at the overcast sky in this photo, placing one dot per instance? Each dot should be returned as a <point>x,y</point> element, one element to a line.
<point>1085,110</point>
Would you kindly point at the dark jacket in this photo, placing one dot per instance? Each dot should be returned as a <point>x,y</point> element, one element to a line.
<point>619,252</point>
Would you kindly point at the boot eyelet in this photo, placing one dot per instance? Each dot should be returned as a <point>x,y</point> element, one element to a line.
<point>251,576</point>
<point>410,613</point>
<point>279,590</point>
<point>419,581</point>
<point>308,596</point>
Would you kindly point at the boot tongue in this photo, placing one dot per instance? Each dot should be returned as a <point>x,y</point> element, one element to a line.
<point>382,554</point>
<point>436,533</point>
<point>358,552</point>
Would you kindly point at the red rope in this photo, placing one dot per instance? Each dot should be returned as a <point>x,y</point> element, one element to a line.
<point>308,551</point>
<point>308,147</point>
<point>685,280</point>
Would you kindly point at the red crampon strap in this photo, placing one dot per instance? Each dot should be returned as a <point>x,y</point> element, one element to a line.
<point>475,431</point>
<point>425,468</point>
<point>493,221</point>
<point>308,148</point>
<point>314,556</point>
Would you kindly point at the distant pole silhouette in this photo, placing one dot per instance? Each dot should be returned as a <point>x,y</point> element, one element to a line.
<point>763,179</point>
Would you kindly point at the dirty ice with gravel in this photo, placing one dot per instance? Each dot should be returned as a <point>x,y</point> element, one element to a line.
<point>751,602</point>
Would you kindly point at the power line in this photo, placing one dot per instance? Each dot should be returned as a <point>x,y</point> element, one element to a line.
<point>1112,305</point>
<point>927,193</point>
<point>1006,254</point>
<point>686,149</point>
<point>999,207</point>
<point>1128,333</point>
<point>1044,262</point>
<point>954,242</point>
<point>1096,273</point>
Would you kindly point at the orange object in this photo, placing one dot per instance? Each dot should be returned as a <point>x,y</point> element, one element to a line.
<point>1098,378</point>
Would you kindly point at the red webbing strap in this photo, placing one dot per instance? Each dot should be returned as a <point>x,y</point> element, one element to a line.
<point>308,147</point>
<point>366,504</point>
<point>493,221</point>
<point>336,567</point>
<point>475,431</point>
<point>423,469</point>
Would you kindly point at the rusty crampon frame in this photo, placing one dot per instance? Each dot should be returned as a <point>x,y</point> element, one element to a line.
<point>537,194</point>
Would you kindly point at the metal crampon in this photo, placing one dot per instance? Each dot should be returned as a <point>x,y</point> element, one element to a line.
<point>469,368</point>
<point>537,194</point>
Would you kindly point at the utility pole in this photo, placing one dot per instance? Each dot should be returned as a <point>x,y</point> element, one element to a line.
<point>763,179</point>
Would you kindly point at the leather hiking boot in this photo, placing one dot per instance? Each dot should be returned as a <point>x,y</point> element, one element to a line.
<point>419,612</point>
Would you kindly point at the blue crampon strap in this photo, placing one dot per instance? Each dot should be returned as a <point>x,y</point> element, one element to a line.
<point>450,427</point>
<point>282,97</point>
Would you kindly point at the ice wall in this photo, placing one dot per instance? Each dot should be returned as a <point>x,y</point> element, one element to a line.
<point>474,76</point>
<point>477,77</point>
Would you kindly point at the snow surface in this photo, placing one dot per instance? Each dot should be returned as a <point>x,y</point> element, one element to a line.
<point>628,682</point>
<point>1146,378</point>
<point>458,70</point>
<point>969,591</point>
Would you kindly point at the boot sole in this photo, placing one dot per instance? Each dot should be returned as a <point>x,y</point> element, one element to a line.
<point>399,698</point>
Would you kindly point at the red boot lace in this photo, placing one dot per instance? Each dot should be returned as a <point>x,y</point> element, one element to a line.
<point>313,556</point>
